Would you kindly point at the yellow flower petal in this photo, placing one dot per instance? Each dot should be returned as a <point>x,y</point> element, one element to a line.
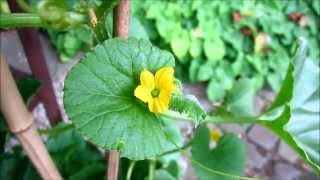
<point>162,82</point>
<point>161,106</point>
<point>147,79</point>
<point>215,134</point>
<point>164,97</point>
<point>143,93</point>
<point>151,105</point>
<point>164,79</point>
<point>156,106</point>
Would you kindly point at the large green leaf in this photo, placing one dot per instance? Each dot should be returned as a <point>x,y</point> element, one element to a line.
<point>294,115</point>
<point>304,123</point>
<point>174,135</point>
<point>99,100</point>
<point>228,157</point>
<point>301,128</point>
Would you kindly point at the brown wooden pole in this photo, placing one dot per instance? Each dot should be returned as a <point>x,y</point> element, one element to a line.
<point>32,47</point>
<point>121,19</point>
<point>120,29</point>
<point>20,122</point>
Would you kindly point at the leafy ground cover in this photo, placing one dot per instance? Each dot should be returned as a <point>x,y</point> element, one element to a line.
<point>220,42</point>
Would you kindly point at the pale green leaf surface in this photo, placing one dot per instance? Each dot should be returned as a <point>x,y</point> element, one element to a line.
<point>300,89</point>
<point>294,115</point>
<point>304,124</point>
<point>162,174</point>
<point>240,98</point>
<point>136,29</point>
<point>205,72</point>
<point>214,49</point>
<point>194,69</point>
<point>180,44</point>
<point>99,98</point>
<point>215,91</point>
<point>195,47</point>
<point>174,135</point>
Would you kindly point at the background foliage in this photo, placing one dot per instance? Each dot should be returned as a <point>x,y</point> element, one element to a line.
<point>219,42</point>
<point>216,42</point>
<point>236,48</point>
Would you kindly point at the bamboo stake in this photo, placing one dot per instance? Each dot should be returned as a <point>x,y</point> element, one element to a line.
<point>31,43</point>
<point>20,122</point>
<point>120,29</point>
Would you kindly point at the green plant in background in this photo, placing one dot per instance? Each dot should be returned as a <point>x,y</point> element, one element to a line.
<point>69,43</point>
<point>235,55</point>
<point>221,41</point>
<point>74,157</point>
<point>82,37</point>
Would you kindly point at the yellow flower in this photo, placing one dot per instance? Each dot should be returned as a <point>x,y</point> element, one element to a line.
<point>215,134</point>
<point>156,90</point>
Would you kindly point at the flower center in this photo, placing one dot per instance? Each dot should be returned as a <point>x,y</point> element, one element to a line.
<point>155,92</point>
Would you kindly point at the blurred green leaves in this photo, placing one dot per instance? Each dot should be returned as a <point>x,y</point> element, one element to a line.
<point>180,44</point>
<point>240,98</point>
<point>73,156</point>
<point>294,114</point>
<point>214,49</point>
<point>220,42</point>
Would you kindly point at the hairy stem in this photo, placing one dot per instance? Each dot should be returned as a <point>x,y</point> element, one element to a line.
<point>213,118</point>
<point>177,116</point>
<point>230,119</point>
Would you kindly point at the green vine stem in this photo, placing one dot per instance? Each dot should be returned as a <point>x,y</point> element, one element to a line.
<point>178,149</point>
<point>17,20</point>
<point>230,119</point>
<point>130,169</point>
<point>152,167</point>
<point>213,118</point>
<point>178,116</point>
